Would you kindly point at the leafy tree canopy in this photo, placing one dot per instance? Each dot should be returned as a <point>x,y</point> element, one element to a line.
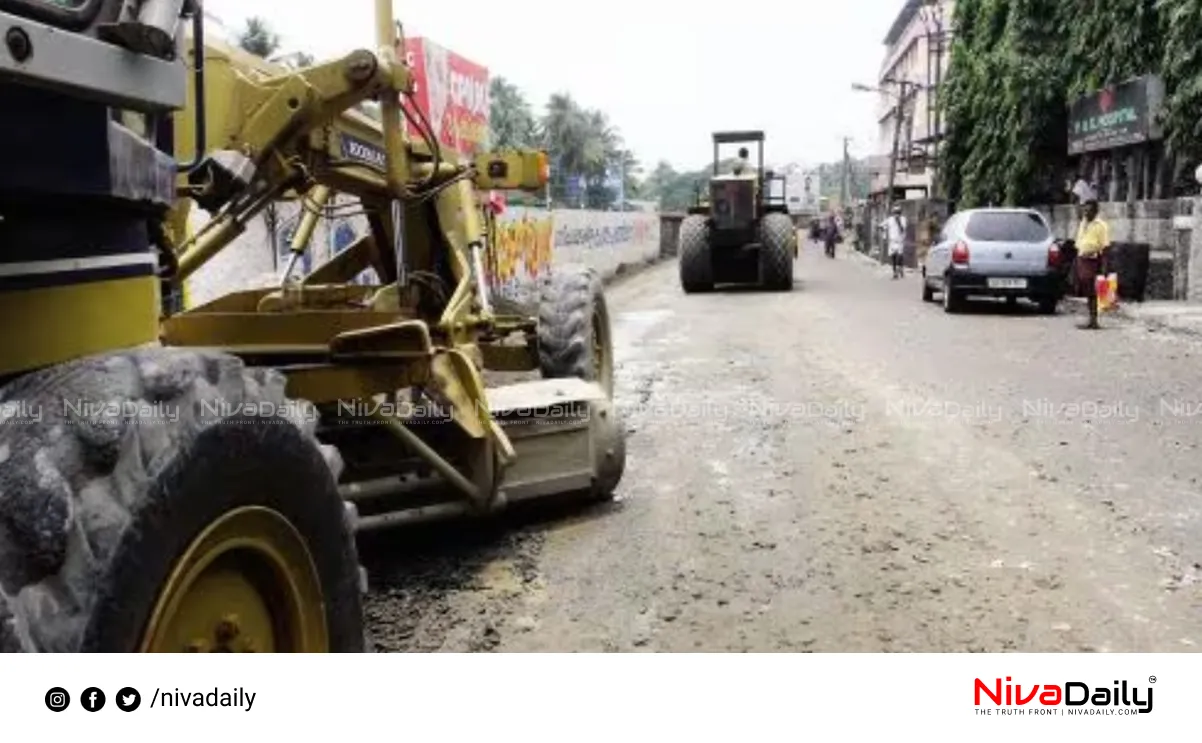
<point>1017,64</point>
<point>588,156</point>
<point>258,38</point>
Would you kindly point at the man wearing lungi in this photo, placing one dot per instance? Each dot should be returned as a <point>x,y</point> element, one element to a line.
<point>1093,240</point>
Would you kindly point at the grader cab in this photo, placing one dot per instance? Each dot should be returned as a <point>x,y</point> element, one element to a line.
<point>195,481</point>
<point>741,234</point>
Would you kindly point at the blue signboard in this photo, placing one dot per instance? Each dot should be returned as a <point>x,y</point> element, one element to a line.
<point>574,187</point>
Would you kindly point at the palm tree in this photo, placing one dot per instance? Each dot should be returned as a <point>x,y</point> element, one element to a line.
<point>565,130</point>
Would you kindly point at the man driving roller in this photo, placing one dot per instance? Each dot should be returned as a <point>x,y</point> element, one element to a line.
<point>742,164</point>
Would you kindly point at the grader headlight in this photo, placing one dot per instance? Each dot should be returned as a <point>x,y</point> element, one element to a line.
<point>525,170</point>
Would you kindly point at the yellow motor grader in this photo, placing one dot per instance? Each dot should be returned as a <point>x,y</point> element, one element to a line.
<point>193,482</point>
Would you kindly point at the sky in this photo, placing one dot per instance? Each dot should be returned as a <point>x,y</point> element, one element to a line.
<point>667,72</point>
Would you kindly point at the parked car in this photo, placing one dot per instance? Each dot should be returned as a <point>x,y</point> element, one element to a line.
<point>1007,253</point>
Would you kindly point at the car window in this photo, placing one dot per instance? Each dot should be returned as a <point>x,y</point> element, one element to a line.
<point>1007,227</point>
<point>950,229</point>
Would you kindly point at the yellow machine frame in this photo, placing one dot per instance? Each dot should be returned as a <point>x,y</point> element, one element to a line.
<point>300,134</point>
<point>219,530</point>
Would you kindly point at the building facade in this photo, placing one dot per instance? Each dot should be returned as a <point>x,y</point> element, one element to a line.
<point>917,55</point>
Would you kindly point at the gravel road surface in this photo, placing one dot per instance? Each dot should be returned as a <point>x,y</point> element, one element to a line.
<point>846,468</point>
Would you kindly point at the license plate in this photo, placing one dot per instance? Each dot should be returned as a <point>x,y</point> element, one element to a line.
<point>1007,283</point>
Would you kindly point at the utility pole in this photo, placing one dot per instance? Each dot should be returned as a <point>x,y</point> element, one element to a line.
<point>898,113</point>
<point>845,193</point>
<point>933,17</point>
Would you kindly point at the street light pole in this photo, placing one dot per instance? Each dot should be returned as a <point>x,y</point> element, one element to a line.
<point>845,193</point>
<point>899,114</point>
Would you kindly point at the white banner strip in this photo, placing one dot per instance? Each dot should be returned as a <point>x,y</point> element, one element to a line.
<point>608,698</point>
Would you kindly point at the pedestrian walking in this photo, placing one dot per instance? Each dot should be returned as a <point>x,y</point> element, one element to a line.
<point>895,235</point>
<point>831,236</point>
<point>1093,240</point>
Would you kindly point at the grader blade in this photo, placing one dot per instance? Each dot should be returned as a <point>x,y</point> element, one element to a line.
<point>567,435</point>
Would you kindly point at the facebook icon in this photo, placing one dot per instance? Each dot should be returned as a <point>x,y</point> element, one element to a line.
<point>92,699</point>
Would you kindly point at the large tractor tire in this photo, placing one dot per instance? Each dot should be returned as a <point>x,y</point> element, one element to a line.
<point>170,500</point>
<point>696,260</point>
<point>778,239</point>
<point>574,333</point>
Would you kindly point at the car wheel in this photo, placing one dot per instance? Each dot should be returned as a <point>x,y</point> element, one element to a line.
<point>1048,305</point>
<point>928,292</point>
<point>953,302</point>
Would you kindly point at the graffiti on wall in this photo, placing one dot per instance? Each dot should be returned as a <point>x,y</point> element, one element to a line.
<point>594,236</point>
<point>531,242</point>
<point>522,249</point>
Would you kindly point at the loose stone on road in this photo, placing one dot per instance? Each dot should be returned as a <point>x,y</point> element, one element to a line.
<point>845,468</point>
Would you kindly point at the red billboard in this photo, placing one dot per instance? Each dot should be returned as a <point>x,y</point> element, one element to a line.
<point>452,92</point>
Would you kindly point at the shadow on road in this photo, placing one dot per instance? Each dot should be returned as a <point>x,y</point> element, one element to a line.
<point>998,308</point>
<point>461,536</point>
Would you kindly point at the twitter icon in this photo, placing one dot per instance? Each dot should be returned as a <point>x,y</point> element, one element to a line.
<point>128,699</point>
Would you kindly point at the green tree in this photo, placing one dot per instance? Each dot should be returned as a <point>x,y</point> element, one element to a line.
<point>1181,21</point>
<point>258,38</point>
<point>1017,64</point>
<point>830,176</point>
<point>584,144</point>
<point>1004,102</point>
<point>565,133</point>
<point>1108,42</point>
<point>602,149</point>
<point>960,99</point>
<point>511,119</point>
<point>676,191</point>
<point>658,178</point>
<point>632,170</point>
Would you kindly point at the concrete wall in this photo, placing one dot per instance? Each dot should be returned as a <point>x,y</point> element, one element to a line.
<point>1159,224</point>
<point>248,263</point>
<point>530,242</point>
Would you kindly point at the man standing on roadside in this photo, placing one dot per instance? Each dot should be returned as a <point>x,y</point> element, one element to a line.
<point>1093,240</point>
<point>895,234</point>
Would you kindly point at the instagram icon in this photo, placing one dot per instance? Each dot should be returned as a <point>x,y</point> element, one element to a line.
<point>57,699</point>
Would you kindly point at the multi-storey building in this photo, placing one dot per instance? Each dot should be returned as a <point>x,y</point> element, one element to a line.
<point>917,53</point>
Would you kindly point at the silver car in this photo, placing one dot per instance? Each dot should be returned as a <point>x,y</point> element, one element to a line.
<point>1008,253</point>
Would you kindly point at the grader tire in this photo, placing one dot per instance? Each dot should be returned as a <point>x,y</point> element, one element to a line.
<point>170,500</point>
<point>777,241</point>
<point>696,259</point>
<point>574,335</point>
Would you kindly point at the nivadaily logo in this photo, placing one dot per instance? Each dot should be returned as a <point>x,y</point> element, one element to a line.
<point>1072,698</point>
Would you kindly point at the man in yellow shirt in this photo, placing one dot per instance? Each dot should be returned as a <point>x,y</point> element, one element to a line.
<point>1093,240</point>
